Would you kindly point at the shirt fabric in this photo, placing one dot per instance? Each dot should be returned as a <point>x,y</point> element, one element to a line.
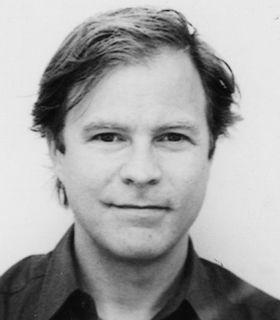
<point>44,287</point>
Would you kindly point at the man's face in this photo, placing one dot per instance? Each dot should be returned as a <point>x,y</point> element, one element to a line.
<point>136,162</point>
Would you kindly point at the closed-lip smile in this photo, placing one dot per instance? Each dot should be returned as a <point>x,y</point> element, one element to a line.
<point>138,207</point>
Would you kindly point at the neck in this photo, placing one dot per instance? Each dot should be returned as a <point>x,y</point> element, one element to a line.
<point>132,289</point>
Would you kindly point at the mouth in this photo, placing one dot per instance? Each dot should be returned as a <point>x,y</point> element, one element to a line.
<point>139,207</point>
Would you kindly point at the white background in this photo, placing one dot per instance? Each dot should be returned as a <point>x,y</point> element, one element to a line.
<point>240,221</point>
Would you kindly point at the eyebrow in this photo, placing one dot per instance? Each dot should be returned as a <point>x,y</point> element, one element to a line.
<point>185,125</point>
<point>112,125</point>
<point>99,125</point>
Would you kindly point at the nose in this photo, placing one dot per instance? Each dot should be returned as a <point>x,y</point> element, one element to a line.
<point>141,168</point>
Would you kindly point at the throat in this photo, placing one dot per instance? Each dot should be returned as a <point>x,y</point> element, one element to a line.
<point>131,289</point>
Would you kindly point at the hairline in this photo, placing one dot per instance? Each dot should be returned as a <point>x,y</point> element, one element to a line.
<point>133,61</point>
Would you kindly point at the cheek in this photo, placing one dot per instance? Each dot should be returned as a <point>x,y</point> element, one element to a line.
<point>85,175</point>
<point>190,182</point>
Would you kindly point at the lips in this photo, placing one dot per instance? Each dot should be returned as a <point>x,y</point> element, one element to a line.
<point>139,207</point>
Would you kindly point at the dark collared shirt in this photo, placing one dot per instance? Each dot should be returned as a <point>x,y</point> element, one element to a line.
<point>44,287</point>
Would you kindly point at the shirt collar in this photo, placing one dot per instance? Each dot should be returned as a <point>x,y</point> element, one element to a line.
<point>195,289</point>
<point>60,280</point>
<point>199,288</point>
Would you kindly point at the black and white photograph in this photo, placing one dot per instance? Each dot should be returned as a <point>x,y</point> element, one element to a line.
<point>140,160</point>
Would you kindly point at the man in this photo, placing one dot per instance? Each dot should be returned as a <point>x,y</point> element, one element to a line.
<point>132,105</point>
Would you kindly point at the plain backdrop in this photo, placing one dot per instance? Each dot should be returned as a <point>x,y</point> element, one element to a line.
<point>240,221</point>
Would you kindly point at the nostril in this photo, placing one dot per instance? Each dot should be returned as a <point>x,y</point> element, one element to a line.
<point>153,182</point>
<point>140,184</point>
<point>128,181</point>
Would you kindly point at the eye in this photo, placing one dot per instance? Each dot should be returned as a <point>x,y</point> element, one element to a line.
<point>108,137</point>
<point>173,137</point>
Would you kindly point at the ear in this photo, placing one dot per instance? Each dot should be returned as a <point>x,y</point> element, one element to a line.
<point>55,155</point>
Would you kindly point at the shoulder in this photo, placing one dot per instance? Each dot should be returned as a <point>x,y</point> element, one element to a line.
<point>21,285</point>
<point>23,272</point>
<point>241,296</point>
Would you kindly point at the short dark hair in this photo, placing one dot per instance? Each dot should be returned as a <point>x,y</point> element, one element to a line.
<point>124,37</point>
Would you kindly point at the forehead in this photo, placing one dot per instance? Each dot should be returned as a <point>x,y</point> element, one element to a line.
<point>168,79</point>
